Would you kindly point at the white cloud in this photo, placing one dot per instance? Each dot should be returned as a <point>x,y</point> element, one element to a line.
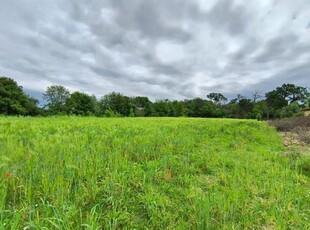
<point>170,52</point>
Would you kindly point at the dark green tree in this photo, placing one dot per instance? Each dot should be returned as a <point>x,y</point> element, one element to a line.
<point>140,104</point>
<point>178,109</point>
<point>293,93</point>
<point>81,104</point>
<point>196,107</point>
<point>13,100</point>
<point>287,93</point>
<point>149,109</point>
<point>240,107</point>
<point>245,107</point>
<point>116,102</point>
<point>162,108</point>
<point>284,95</point>
<point>56,96</point>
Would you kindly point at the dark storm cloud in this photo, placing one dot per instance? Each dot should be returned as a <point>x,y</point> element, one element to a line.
<point>176,49</point>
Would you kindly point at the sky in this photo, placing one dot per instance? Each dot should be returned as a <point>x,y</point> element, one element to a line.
<point>156,48</point>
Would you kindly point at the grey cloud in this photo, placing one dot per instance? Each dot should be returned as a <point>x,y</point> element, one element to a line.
<point>298,75</point>
<point>107,73</point>
<point>225,15</point>
<point>277,48</point>
<point>246,50</point>
<point>95,46</point>
<point>149,18</point>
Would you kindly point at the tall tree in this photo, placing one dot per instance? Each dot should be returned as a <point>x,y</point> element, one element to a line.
<point>56,96</point>
<point>240,107</point>
<point>287,93</point>
<point>13,100</point>
<point>256,95</point>
<point>276,100</point>
<point>293,93</point>
<point>217,98</point>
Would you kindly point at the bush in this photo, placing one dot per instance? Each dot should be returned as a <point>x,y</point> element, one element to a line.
<point>291,110</point>
<point>110,113</point>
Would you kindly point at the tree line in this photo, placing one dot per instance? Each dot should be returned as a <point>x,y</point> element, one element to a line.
<point>284,101</point>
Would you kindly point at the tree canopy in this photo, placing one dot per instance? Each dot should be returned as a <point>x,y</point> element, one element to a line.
<point>284,101</point>
<point>56,96</point>
<point>14,101</point>
<point>81,104</point>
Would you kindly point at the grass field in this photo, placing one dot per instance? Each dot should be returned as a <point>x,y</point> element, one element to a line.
<point>148,173</point>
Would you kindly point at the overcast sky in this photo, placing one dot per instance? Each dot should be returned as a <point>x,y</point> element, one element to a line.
<point>157,48</point>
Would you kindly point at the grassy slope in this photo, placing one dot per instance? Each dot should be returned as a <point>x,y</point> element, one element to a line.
<point>154,172</point>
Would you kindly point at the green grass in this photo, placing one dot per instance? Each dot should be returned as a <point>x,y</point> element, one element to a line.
<point>148,173</point>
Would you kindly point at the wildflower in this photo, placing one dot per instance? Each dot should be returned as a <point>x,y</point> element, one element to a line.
<point>27,155</point>
<point>7,175</point>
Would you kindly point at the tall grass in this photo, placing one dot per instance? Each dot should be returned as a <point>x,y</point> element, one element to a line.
<point>148,173</point>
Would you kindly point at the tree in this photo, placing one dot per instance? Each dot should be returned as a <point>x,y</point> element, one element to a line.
<point>240,107</point>
<point>245,108</point>
<point>81,104</point>
<point>283,96</point>
<point>13,101</point>
<point>56,96</point>
<point>287,93</point>
<point>290,110</point>
<point>217,98</point>
<point>131,113</point>
<point>196,107</point>
<point>293,93</point>
<point>275,100</point>
<point>256,95</point>
<point>162,108</point>
<point>177,109</point>
<point>261,109</point>
<point>149,109</point>
<point>116,102</point>
<point>140,104</point>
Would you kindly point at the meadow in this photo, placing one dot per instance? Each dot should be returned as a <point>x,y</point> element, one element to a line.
<point>148,173</point>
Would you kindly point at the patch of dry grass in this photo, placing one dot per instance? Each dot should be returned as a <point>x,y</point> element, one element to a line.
<point>297,125</point>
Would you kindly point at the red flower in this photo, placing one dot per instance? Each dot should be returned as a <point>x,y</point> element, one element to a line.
<point>27,155</point>
<point>7,175</point>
